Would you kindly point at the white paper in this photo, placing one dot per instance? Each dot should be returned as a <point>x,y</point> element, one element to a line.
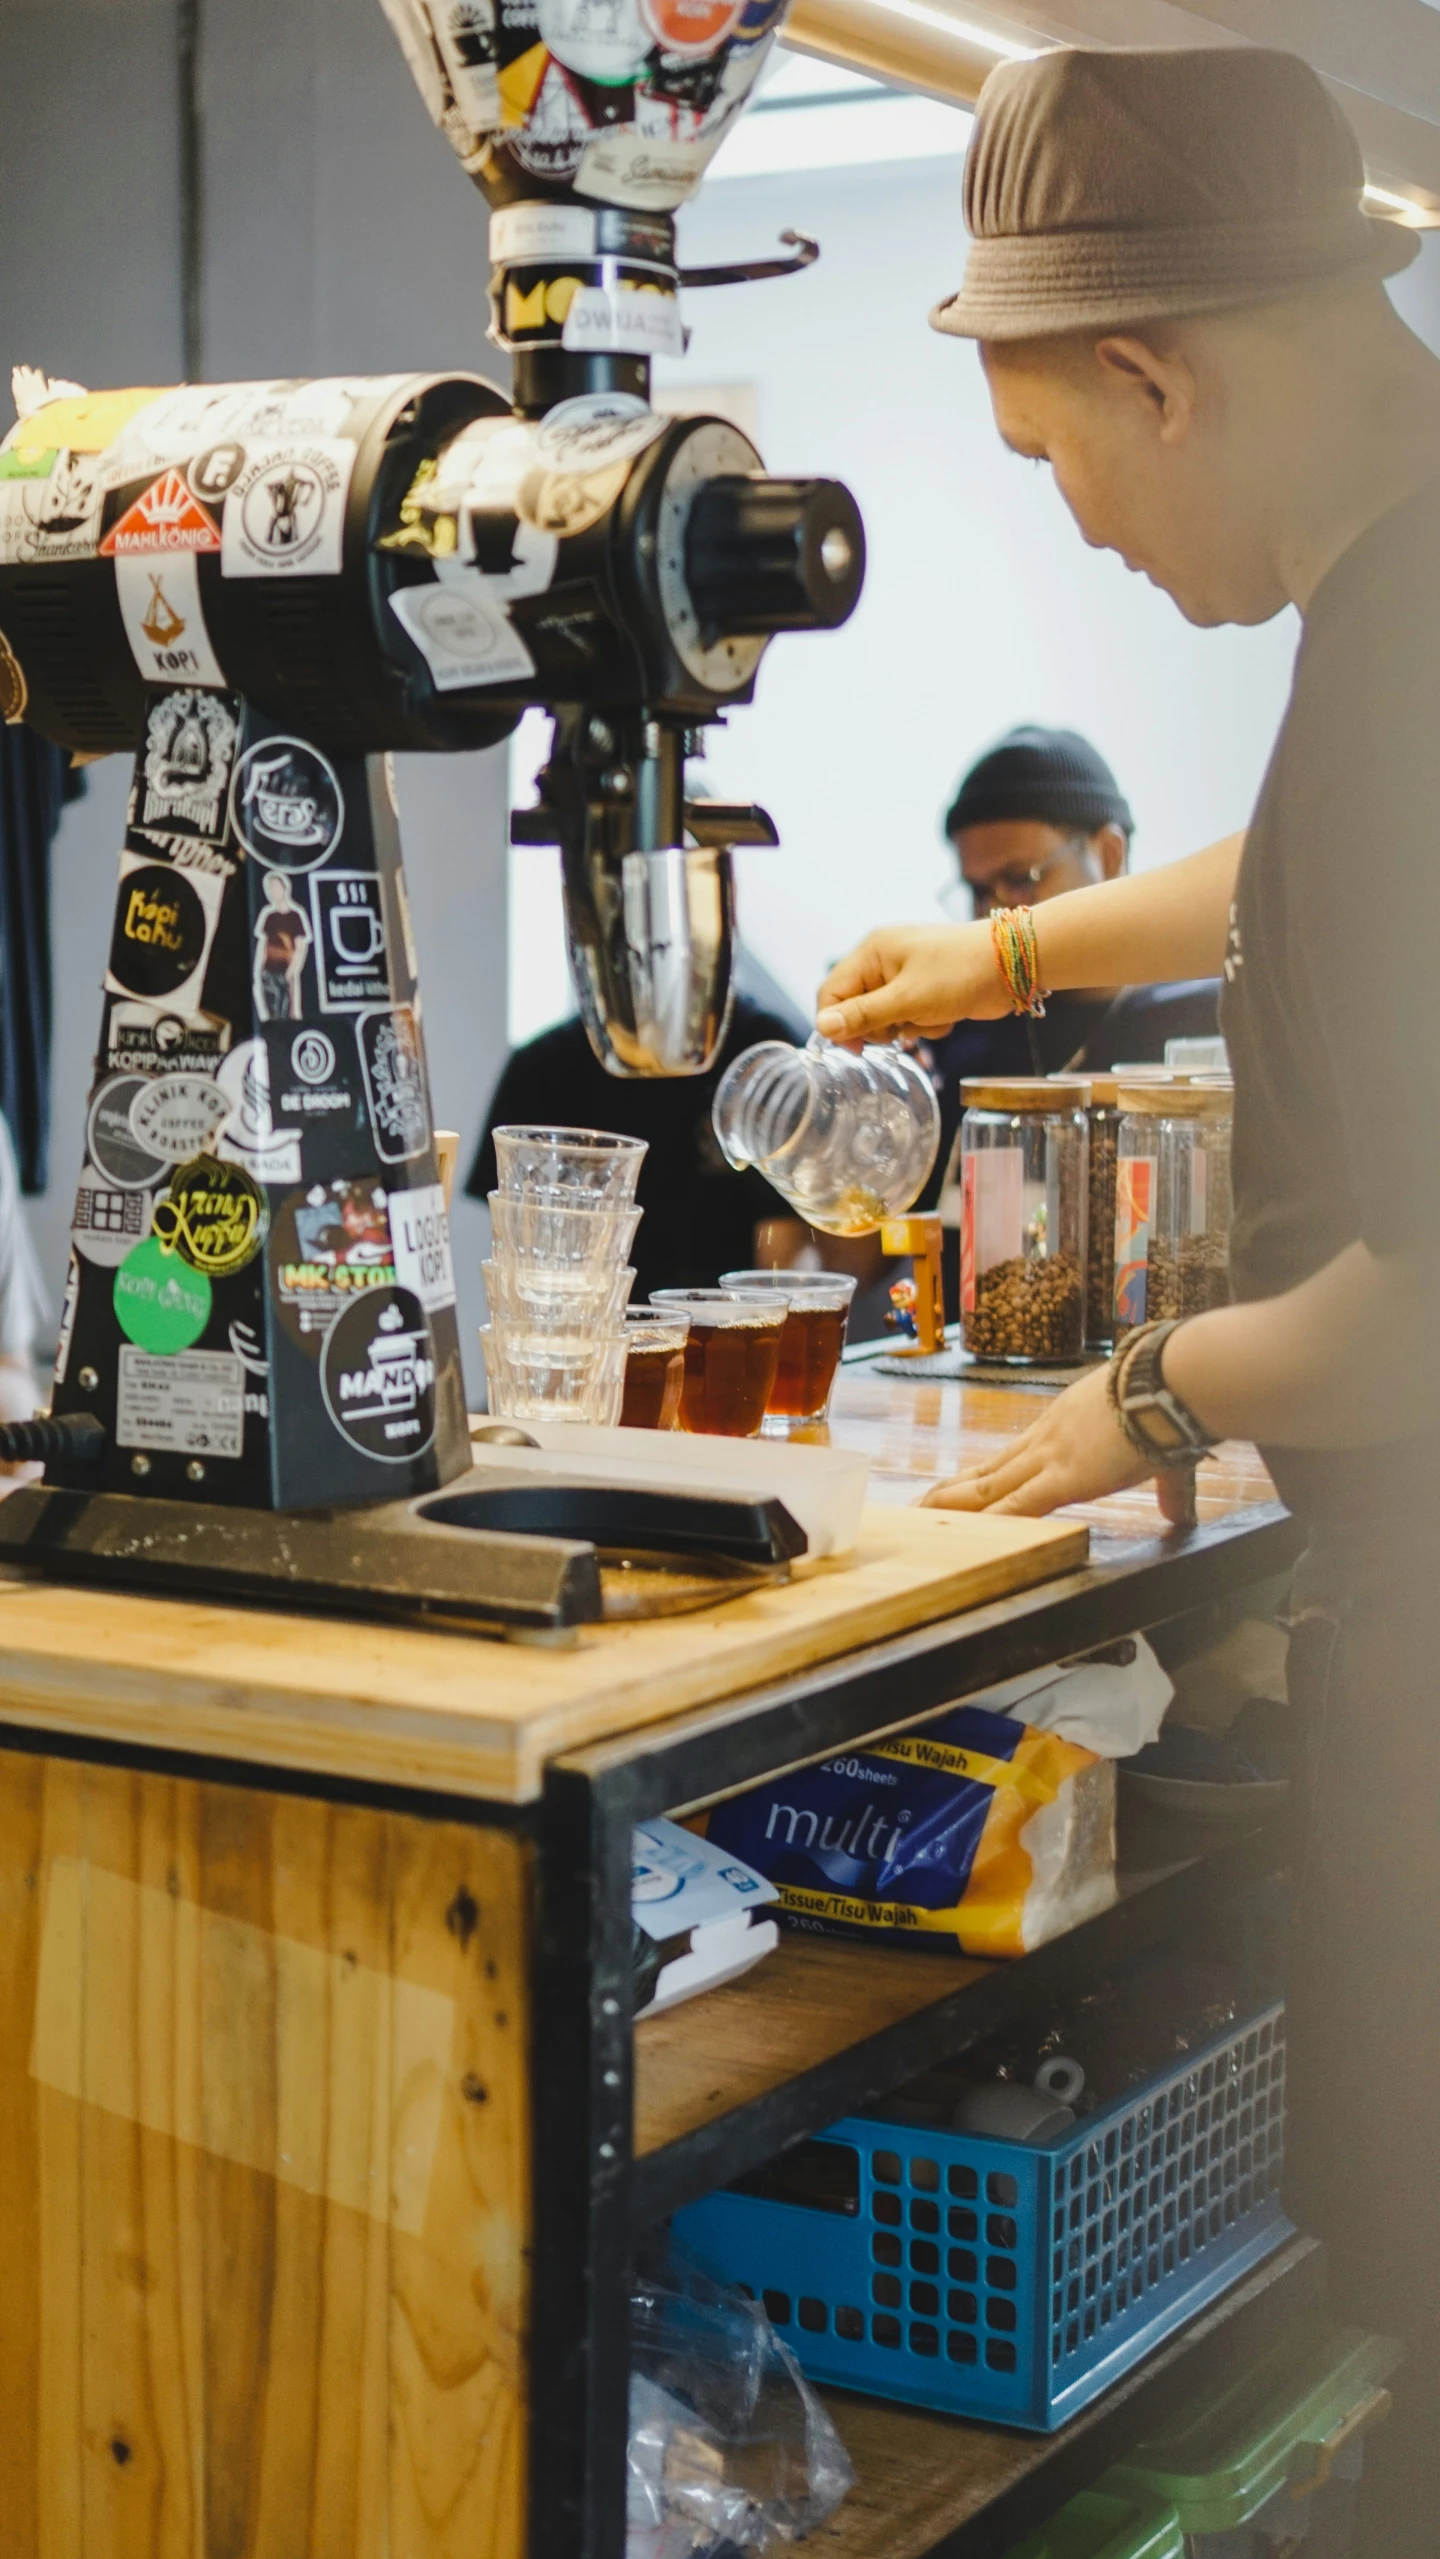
<point>679,1881</point>
<point>462,631</point>
<point>191,1403</point>
<point>420,1240</point>
<point>524,231</point>
<point>1115,1708</point>
<point>623,321</point>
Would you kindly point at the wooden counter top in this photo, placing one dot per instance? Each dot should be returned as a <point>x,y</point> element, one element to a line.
<point>410,1707</point>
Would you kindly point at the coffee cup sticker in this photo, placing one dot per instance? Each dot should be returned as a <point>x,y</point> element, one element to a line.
<point>377,1375</point>
<point>165,922</point>
<point>213,1215</point>
<point>287,803</point>
<point>115,1148</point>
<point>351,951</point>
<point>160,1303</point>
<point>176,1116</point>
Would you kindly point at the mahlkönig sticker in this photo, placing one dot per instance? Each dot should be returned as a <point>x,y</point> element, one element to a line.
<point>351,949</point>
<point>420,1233</point>
<point>190,741</point>
<point>377,1375</point>
<point>393,1064</point>
<point>165,620</point>
<point>331,1243</point>
<point>287,803</point>
<point>108,1220</point>
<point>143,1039</point>
<point>285,515</point>
<point>213,1215</point>
<point>164,924</point>
<point>112,1144</point>
<point>159,1303</point>
<point>282,945</point>
<point>165,517</point>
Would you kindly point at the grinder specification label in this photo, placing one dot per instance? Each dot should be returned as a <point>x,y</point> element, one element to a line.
<point>191,1403</point>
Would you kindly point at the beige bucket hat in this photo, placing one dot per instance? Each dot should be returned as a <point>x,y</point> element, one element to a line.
<point>1105,189</point>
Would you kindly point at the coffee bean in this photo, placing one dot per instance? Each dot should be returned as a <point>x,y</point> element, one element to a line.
<point>1028,1310</point>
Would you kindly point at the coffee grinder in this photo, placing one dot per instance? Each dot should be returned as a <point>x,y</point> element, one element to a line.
<point>262,590</point>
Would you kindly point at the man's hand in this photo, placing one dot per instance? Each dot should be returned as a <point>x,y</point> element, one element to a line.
<point>913,977</point>
<point>1074,1453</point>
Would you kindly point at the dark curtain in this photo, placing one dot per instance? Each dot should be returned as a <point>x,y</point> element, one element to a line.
<point>36,779</point>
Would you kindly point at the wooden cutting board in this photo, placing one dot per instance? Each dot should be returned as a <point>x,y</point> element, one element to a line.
<point>407,1706</point>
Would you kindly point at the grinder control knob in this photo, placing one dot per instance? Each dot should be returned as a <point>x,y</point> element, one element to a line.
<point>766,555</point>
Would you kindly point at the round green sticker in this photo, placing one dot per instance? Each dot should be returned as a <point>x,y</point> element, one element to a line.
<point>159,1301</point>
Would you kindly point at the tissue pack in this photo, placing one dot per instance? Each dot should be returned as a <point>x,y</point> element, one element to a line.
<point>974,1832</point>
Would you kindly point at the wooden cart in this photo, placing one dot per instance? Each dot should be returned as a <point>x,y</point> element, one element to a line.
<point>324,2129</point>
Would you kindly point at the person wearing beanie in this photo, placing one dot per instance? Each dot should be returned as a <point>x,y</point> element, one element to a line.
<point>1179,302</point>
<point>1037,815</point>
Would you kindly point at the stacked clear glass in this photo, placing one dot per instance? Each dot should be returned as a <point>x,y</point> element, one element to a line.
<point>558,1280</point>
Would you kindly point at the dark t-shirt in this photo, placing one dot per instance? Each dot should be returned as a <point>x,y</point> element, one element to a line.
<point>1332,1001</point>
<point>700,1217</point>
<point>1130,1030</point>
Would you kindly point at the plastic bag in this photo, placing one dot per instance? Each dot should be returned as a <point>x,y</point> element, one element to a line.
<point>729,2445</point>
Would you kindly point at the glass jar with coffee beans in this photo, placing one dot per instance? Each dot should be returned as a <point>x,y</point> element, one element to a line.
<point>1172,1199</point>
<point>1024,1170</point>
<point>1099,1096</point>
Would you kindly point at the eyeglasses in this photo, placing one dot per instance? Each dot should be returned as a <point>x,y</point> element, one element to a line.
<point>964,899</point>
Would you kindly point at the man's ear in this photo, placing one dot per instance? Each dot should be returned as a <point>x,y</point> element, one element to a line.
<point>1110,845</point>
<point>1165,383</point>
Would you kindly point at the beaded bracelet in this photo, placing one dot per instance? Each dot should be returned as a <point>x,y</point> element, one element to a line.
<point>1012,930</point>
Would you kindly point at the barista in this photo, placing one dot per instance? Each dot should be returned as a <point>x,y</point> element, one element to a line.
<point>1036,816</point>
<point>1181,307</point>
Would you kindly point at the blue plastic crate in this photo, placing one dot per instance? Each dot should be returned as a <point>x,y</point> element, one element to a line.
<point>995,2279</point>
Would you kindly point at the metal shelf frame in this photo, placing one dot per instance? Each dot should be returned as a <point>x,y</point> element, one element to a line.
<point>592,2196</point>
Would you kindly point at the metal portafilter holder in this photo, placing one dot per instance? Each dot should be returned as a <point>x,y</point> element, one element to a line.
<point>261,591</point>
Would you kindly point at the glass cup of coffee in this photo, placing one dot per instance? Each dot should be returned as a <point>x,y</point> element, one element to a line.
<point>810,1345</point>
<point>654,1368</point>
<point>731,1354</point>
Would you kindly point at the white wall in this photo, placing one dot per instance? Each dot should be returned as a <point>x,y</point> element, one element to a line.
<point>339,235</point>
<point>982,606</point>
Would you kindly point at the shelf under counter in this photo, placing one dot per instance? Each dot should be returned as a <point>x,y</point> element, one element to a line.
<point>932,2487</point>
<point>821,2028</point>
